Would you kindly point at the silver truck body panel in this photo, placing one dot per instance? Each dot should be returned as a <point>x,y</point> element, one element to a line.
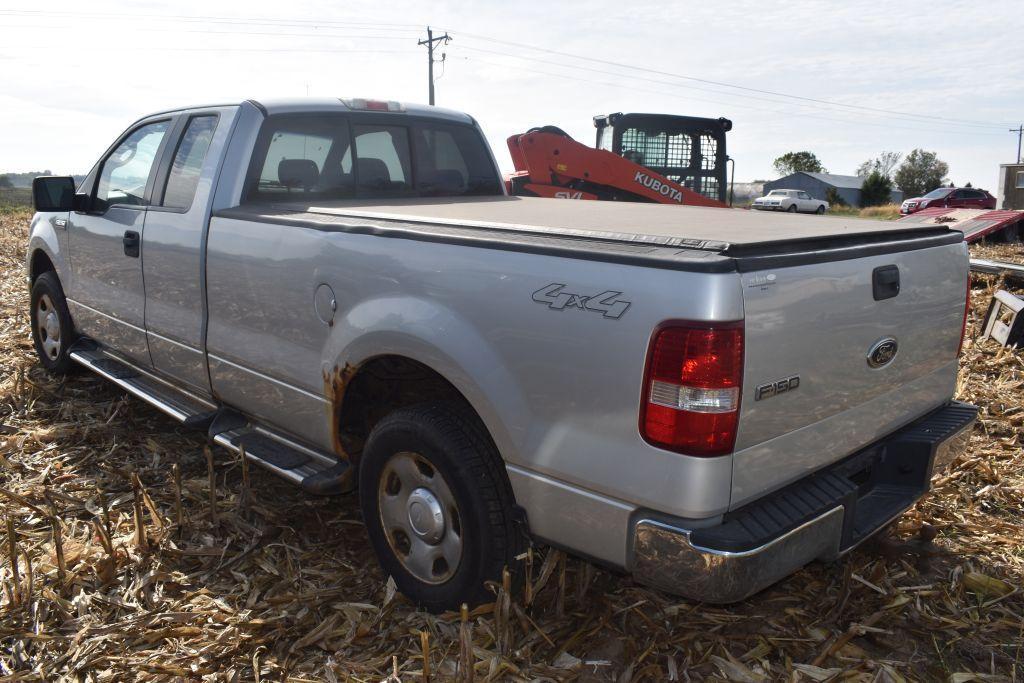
<point>526,368</point>
<point>105,295</point>
<point>174,276</point>
<point>818,322</point>
<point>255,307</point>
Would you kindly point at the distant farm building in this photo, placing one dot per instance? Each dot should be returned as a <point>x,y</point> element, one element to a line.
<point>818,184</point>
<point>1010,194</point>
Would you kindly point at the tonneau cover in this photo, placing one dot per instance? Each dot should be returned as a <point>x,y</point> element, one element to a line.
<point>684,226</point>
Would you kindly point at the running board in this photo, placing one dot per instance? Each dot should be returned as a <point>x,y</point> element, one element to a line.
<point>314,471</point>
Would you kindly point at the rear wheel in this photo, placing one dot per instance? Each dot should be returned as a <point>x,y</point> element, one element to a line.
<point>437,505</point>
<point>52,329</point>
<point>791,209</point>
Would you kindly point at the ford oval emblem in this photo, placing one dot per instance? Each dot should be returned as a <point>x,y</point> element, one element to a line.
<point>882,353</point>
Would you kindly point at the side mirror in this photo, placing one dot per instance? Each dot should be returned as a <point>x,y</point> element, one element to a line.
<point>53,193</point>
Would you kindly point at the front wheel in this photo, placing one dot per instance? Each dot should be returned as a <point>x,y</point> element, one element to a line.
<point>821,210</point>
<point>437,505</point>
<point>791,209</point>
<point>52,329</point>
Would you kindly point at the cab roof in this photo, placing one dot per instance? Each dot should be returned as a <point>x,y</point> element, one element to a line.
<point>297,105</point>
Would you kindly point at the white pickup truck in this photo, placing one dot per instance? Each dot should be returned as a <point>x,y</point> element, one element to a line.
<point>706,398</point>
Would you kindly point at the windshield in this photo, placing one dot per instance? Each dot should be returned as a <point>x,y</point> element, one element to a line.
<point>778,193</point>
<point>327,156</point>
<point>936,194</point>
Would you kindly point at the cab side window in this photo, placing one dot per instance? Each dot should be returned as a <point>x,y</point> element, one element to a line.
<point>126,171</point>
<point>183,178</point>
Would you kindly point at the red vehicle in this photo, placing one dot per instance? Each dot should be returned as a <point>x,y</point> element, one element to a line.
<point>950,197</point>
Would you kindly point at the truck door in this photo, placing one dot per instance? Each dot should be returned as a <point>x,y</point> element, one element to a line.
<point>173,261</point>
<point>272,288</point>
<point>106,295</point>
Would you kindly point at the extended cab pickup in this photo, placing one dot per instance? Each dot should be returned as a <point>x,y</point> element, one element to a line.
<point>706,398</point>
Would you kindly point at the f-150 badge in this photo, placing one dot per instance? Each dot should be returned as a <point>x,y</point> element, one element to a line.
<point>606,303</point>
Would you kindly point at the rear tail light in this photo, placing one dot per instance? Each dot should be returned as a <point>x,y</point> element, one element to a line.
<point>692,386</point>
<point>967,309</point>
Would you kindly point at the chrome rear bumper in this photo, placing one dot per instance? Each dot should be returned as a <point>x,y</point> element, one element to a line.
<point>870,489</point>
<point>667,559</point>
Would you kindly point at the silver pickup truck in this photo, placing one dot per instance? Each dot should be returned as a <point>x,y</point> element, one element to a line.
<point>707,399</point>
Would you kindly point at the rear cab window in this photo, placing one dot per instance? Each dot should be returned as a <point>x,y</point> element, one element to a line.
<point>303,157</point>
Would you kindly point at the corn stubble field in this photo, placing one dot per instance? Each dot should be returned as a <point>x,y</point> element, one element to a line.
<point>138,559</point>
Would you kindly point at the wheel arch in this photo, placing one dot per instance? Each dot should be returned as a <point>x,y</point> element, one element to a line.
<point>395,351</point>
<point>39,263</point>
<point>363,395</point>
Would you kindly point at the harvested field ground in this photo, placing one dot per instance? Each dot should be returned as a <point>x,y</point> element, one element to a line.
<point>116,580</point>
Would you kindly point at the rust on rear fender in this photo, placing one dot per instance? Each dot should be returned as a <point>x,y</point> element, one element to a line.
<point>335,385</point>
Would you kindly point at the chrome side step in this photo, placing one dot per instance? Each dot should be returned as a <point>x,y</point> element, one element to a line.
<point>314,471</point>
<point>157,393</point>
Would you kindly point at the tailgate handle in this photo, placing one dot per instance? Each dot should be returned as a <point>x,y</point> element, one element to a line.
<point>885,282</point>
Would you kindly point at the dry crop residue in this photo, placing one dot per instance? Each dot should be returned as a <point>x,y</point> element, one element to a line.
<point>126,574</point>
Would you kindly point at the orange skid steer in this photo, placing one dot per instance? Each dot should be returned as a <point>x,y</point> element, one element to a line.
<point>549,163</point>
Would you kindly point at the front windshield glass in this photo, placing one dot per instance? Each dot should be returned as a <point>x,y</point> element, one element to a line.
<point>936,194</point>
<point>777,193</point>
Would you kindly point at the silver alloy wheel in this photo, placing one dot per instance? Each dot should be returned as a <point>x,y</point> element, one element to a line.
<point>420,518</point>
<point>48,327</point>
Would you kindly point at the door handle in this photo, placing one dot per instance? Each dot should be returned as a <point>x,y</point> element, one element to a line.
<point>131,243</point>
<point>885,282</point>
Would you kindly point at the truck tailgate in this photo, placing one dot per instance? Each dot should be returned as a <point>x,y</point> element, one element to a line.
<point>810,392</point>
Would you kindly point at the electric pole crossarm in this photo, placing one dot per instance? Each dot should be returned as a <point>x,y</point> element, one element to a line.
<point>429,42</point>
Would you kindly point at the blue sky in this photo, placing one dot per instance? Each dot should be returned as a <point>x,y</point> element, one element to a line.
<point>950,75</point>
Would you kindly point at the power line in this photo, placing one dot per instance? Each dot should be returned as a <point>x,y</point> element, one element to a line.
<point>257,21</point>
<point>408,27</point>
<point>722,83</point>
<point>678,85</point>
<point>731,104</point>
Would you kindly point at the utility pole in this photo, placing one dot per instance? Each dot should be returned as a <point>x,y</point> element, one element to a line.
<point>429,42</point>
<point>1019,130</point>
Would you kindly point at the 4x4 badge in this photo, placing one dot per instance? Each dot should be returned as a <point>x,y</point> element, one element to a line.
<point>606,303</point>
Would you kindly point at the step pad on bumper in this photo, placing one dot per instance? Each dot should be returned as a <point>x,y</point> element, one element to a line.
<point>873,486</point>
<point>818,517</point>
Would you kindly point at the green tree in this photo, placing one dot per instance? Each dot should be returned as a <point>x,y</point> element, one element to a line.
<point>877,189</point>
<point>921,172</point>
<point>833,197</point>
<point>5,182</point>
<point>885,163</point>
<point>791,162</point>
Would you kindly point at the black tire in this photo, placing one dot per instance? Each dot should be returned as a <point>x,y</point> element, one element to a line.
<point>791,209</point>
<point>49,313</point>
<point>821,209</point>
<point>451,442</point>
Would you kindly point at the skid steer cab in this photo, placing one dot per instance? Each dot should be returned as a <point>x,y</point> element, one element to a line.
<point>639,158</point>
